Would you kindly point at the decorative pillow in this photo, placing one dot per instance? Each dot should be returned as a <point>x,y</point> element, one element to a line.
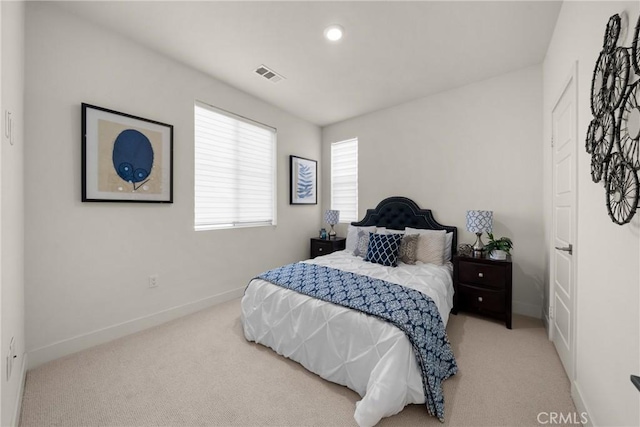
<point>383,249</point>
<point>409,249</point>
<point>363,243</point>
<point>431,247</point>
<point>352,236</point>
<point>448,239</point>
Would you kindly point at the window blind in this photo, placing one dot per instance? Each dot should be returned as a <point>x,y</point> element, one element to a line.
<point>235,168</point>
<point>344,179</point>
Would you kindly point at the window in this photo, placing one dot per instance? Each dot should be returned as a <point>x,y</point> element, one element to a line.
<point>344,179</point>
<point>235,169</point>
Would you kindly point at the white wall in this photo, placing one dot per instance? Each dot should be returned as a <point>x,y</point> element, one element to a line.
<point>12,209</point>
<point>474,147</point>
<point>608,283</point>
<point>1,143</point>
<point>87,264</point>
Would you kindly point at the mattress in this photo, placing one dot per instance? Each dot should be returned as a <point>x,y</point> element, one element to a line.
<point>366,354</point>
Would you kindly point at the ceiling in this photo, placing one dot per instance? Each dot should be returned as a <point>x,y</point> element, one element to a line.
<point>392,52</point>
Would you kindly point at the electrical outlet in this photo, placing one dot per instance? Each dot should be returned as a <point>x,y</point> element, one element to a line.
<point>153,281</point>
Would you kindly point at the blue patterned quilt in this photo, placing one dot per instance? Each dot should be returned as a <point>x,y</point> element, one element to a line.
<point>412,311</point>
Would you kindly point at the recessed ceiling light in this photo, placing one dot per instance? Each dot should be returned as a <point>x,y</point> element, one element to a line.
<point>333,32</point>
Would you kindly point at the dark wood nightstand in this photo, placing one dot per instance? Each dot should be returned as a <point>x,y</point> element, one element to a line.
<point>483,286</point>
<point>326,246</point>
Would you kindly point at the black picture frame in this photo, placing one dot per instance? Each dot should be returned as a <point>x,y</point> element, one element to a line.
<point>125,158</point>
<point>303,181</point>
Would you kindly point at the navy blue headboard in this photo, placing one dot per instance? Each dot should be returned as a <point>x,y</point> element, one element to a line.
<point>400,212</point>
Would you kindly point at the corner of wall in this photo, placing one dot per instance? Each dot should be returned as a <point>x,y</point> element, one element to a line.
<point>527,309</point>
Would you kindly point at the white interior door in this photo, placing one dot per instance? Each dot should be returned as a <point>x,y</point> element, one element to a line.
<point>562,290</point>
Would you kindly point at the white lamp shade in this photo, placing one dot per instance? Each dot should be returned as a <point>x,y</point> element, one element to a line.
<point>332,217</point>
<point>479,221</point>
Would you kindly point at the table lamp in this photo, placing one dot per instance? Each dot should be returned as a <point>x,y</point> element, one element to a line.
<point>332,217</point>
<point>479,222</point>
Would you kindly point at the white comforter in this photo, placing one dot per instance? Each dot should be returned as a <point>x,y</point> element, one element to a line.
<point>368,355</point>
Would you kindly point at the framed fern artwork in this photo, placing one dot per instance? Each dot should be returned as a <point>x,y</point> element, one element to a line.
<point>304,181</point>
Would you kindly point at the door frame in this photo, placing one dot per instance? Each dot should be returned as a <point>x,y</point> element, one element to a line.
<point>572,77</point>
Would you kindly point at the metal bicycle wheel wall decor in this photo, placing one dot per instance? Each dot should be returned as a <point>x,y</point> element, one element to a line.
<point>613,136</point>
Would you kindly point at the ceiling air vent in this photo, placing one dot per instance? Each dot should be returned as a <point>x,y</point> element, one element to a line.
<point>269,74</point>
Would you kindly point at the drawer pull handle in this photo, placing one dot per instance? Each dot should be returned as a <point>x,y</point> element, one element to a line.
<point>480,274</point>
<point>319,249</point>
<point>479,299</point>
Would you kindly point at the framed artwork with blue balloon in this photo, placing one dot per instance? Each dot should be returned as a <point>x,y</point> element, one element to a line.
<point>125,158</point>
<point>304,181</point>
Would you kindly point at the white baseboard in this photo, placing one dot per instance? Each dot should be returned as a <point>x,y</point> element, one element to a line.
<point>546,322</point>
<point>15,419</point>
<point>527,309</point>
<point>68,346</point>
<point>581,407</point>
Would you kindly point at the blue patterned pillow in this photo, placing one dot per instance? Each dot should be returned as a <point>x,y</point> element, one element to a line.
<point>383,249</point>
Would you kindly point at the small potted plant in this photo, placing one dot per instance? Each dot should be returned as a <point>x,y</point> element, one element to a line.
<point>498,248</point>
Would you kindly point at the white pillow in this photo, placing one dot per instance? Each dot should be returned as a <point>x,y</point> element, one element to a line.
<point>410,230</point>
<point>352,236</point>
<point>447,243</point>
<point>448,240</point>
<point>431,247</point>
<point>384,230</point>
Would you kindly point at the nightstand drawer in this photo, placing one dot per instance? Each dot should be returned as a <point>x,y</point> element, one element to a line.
<point>481,299</point>
<point>321,247</point>
<point>482,274</point>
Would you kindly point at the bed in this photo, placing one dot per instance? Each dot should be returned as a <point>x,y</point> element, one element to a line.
<point>374,358</point>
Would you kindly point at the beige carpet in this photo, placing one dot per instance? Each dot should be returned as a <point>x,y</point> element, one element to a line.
<point>199,370</point>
